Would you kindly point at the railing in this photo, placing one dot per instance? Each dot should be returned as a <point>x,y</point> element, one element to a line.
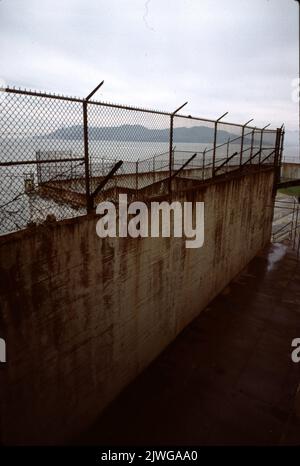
<point>290,230</point>
<point>56,151</point>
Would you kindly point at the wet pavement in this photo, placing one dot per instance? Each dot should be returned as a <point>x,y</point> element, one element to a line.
<point>228,378</point>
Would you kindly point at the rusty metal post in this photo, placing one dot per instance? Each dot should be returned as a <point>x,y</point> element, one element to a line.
<point>227,152</point>
<point>215,142</point>
<point>89,200</point>
<point>170,154</point>
<point>277,166</point>
<point>171,145</point>
<point>278,148</point>
<point>261,142</point>
<point>242,140</point>
<point>252,144</point>
<point>260,145</point>
<point>214,148</point>
<point>281,144</point>
<point>86,158</point>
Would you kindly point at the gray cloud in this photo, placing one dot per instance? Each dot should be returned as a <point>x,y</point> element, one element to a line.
<point>237,56</point>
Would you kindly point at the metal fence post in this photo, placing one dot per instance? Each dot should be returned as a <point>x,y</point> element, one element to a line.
<point>215,142</point>
<point>89,200</point>
<point>242,139</point>
<point>277,166</point>
<point>171,145</point>
<point>281,144</point>
<point>86,158</point>
<point>261,142</point>
<point>252,145</point>
<point>170,153</point>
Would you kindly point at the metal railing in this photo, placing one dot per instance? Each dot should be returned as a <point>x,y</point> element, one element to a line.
<point>289,227</point>
<point>56,151</point>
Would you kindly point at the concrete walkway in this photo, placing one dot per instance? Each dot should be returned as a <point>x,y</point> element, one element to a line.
<point>228,378</point>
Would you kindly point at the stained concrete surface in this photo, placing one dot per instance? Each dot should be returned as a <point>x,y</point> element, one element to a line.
<point>83,316</point>
<point>228,378</point>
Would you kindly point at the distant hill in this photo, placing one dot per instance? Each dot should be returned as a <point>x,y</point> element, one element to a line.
<point>195,134</point>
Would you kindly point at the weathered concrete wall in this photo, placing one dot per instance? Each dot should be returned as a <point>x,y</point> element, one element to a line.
<point>290,171</point>
<point>82,316</point>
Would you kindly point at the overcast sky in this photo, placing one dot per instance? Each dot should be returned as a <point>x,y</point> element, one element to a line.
<point>238,56</point>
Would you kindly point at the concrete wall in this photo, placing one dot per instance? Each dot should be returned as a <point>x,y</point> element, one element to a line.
<point>290,171</point>
<point>82,316</point>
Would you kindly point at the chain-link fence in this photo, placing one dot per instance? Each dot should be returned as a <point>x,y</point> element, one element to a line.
<point>61,155</point>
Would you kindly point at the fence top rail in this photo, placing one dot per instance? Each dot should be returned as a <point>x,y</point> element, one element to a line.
<point>34,93</point>
<point>79,100</point>
<point>228,123</point>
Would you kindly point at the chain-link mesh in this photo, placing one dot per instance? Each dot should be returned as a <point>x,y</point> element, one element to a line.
<point>228,152</point>
<point>59,154</point>
<point>36,152</point>
<point>139,138</point>
<point>268,142</point>
<point>193,136</point>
